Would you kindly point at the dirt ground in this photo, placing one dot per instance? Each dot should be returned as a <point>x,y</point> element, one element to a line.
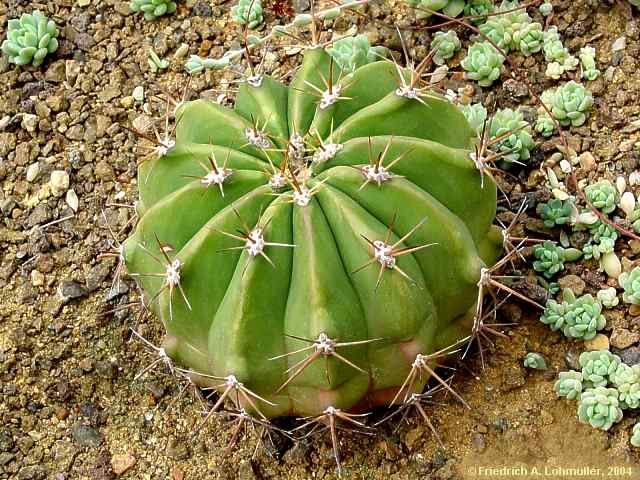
<point>71,406</point>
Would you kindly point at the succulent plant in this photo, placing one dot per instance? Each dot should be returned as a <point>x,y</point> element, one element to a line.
<point>503,28</point>
<point>153,9</point>
<point>351,53</point>
<point>277,260</point>
<point>635,435</point>
<point>576,317</point>
<point>599,407</point>
<point>630,282</point>
<point>603,195</point>
<point>476,114</point>
<point>545,125</point>
<point>556,212</point>
<point>156,63</point>
<point>453,8</point>
<point>248,12</point>
<point>535,361</point>
<point>546,8</point>
<point>30,39</point>
<point>554,50</point>
<point>517,141</point>
<point>529,38</point>
<point>569,385</point>
<point>571,102</point>
<point>587,57</point>
<point>608,297</point>
<point>445,44</point>
<point>627,380</point>
<point>478,8</point>
<point>597,366</point>
<point>196,64</point>
<point>483,63</point>
<point>551,257</point>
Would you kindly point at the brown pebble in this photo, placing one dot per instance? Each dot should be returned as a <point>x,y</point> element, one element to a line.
<point>62,413</point>
<point>599,342</point>
<point>121,463</point>
<point>176,474</point>
<point>623,338</point>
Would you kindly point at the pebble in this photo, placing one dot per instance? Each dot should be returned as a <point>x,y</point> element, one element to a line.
<point>599,342</point>
<point>623,338</point>
<point>37,278</point>
<point>634,310</point>
<point>619,44</point>
<point>121,463</point>
<point>69,289</point>
<point>86,436</point>
<point>587,161</point>
<point>138,93</point>
<point>59,182</point>
<point>29,122</point>
<point>32,172</point>
<point>478,442</point>
<point>72,200</point>
<point>574,283</point>
<point>84,3</point>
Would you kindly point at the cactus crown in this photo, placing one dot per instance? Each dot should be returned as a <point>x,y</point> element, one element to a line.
<point>295,247</point>
<point>30,39</point>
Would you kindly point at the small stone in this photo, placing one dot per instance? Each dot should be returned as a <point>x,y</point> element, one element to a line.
<point>572,282</point>
<point>86,436</point>
<point>59,182</point>
<point>71,70</point>
<point>121,463</point>
<point>68,290</point>
<point>138,94</point>
<point>623,338</point>
<point>32,172</point>
<point>127,102</point>
<point>72,200</point>
<point>176,474</point>
<point>104,171</point>
<point>37,278</point>
<point>634,310</point>
<point>29,122</point>
<point>56,72</point>
<point>478,442</point>
<point>84,3</point>
<point>619,44</point>
<point>109,93</point>
<point>599,342</point>
<point>587,161</point>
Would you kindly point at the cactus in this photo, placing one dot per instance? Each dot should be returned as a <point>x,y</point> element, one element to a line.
<point>292,272</point>
<point>576,317</point>
<point>445,44</point>
<point>599,407</point>
<point>352,53</point>
<point>248,12</point>
<point>515,133</point>
<point>630,282</point>
<point>603,195</point>
<point>570,104</point>
<point>569,385</point>
<point>30,39</point>
<point>627,380</point>
<point>608,297</point>
<point>535,361</point>
<point>556,212</point>
<point>153,9</point>
<point>483,63</point>
<point>597,366</point>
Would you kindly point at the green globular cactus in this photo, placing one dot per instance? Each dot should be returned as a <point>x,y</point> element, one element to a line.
<point>248,12</point>
<point>570,104</point>
<point>516,137</point>
<point>569,385</point>
<point>627,380</point>
<point>603,195</point>
<point>483,63</point>
<point>630,282</point>
<point>599,407</point>
<point>608,297</point>
<point>550,258</point>
<point>557,212</point>
<point>475,114</point>
<point>597,366</point>
<point>445,44</point>
<point>30,39</point>
<point>577,317</point>
<point>635,435</point>
<point>153,9</point>
<point>352,53</point>
<point>314,270</point>
<point>535,361</point>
